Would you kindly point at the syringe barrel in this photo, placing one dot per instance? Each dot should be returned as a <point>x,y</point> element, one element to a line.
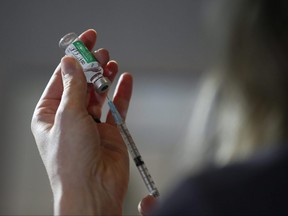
<point>147,178</point>
<point>128,140</point>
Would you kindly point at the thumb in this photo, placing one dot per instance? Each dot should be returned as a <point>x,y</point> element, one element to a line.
<point>146,205</point>
<point>74,84</point>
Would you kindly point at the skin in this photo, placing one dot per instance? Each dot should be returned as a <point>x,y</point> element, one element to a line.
<point>87,162</point>
<point>146,204</point>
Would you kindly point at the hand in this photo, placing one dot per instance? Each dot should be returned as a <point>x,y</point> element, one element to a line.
<point>87,162</point>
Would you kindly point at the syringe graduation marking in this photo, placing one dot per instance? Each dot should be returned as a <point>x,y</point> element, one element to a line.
<point>138,161</point>
<point>133,150</point>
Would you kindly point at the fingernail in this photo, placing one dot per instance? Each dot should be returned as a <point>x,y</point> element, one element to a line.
<point>112,68</point>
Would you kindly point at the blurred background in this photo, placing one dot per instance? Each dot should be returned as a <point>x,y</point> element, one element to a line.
<point>166,45</point>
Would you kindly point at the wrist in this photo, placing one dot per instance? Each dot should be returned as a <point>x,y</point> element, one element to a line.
<point>78,197</point>
<point>72,202</point>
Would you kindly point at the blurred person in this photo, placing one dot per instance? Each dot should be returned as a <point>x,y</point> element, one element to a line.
<point>241,133</point>
<point>238,128</point>
<point>241,105</point>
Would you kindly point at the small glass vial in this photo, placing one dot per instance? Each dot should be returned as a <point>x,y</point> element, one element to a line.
<point>93,71</point>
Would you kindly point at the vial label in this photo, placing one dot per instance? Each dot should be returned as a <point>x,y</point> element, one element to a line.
<point>82,54</point>
<point>91,67</point>
<point>92,76</point>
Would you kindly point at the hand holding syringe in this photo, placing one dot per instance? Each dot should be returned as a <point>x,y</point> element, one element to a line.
<point>133,150</point>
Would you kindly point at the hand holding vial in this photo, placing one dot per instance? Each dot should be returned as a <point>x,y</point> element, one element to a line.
<point>87,162</point>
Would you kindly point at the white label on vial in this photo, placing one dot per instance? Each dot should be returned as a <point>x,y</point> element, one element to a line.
<point>90,65</point>
<point>92,76</point>
<point>87,65</point>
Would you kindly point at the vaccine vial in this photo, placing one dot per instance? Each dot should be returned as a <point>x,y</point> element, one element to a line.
<point>93,71</point>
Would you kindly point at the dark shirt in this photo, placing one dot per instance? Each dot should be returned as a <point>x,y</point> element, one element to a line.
<point>255,187</point>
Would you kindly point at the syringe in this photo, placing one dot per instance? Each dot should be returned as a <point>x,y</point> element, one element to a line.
<point>133,150</point>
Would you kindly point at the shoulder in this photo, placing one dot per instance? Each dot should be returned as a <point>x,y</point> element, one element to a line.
<point>258,186</point>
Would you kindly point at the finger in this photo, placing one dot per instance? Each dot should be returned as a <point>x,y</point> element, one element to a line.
<point>96,101</point>
<point>74,84</point>
<point>89,38</point>
<point>146,205</point>
<point>93,107</point>
<point>111,70</point>
<point>122,97</point>
<point>102,56</point>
